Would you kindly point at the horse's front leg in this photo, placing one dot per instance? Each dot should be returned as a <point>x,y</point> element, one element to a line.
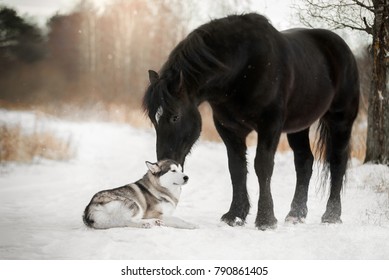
<point>235,142</point>
<point>269,135</point>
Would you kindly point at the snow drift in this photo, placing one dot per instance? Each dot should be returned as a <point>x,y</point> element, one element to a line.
<point>41,205</point>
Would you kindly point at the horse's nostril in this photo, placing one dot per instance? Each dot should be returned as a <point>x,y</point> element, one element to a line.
<point>186,178</point>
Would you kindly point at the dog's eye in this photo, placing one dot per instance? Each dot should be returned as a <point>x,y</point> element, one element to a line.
<point>174,170</point>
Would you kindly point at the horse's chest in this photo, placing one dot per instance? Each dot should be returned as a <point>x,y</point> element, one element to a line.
<point>235,117</point>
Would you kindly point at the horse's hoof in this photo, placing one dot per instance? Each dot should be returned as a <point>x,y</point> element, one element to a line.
<point>294,220</point>
<point>267,227</point>
<point>331,218</point>
<point>297,215</point>
<point>232,220</point>
<point>263,224</point>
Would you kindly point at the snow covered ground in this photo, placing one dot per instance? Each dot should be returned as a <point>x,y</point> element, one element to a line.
<point>41,205</point>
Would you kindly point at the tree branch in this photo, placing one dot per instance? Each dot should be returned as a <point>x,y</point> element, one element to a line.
<point>359,3</point>
<point>368,29</point>
<point>337,14</point>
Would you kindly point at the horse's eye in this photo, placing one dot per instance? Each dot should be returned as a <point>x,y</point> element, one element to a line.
<point>175,118</point>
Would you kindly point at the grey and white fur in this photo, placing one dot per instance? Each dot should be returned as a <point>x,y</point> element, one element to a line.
<point>148,202</point>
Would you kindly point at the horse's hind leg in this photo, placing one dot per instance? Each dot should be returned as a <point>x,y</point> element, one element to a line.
<point>303,161</point>
<point>337,154</point>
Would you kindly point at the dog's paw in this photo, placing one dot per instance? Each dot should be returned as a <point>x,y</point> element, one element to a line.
<point>159,223</point>
<point>146,225</point>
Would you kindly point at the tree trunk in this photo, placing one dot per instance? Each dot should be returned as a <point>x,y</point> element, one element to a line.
<point>377,144</point>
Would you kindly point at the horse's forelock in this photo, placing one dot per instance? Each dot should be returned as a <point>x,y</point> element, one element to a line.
<point>158,96</point>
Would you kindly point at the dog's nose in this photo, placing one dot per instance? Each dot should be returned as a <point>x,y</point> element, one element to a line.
<point>186,178</point>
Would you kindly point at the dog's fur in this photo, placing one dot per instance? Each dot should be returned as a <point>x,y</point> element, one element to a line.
<point>148,202</point>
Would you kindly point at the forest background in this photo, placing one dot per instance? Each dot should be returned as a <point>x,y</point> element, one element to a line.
<point>92,61</point>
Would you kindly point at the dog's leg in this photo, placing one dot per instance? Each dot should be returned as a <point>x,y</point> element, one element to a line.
<point>177,223</point>
<point>145,223</point>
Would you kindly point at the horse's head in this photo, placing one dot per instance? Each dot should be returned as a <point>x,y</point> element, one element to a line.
<point>175,117</point>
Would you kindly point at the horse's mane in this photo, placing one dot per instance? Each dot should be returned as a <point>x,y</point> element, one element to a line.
<point>187,63</point>
<point>192,58</point>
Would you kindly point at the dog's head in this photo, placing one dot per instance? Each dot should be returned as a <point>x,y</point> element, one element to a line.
<point>168,172</point>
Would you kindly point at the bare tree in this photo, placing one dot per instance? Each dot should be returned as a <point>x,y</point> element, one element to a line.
<point>372,17</point>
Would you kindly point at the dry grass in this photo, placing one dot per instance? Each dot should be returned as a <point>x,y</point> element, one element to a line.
<point>133,114</point>
<point>105,112</point>
<point>120,113</point>
<point>18,146</point>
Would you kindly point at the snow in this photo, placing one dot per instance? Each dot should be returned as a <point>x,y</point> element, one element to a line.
<point>41,205</point>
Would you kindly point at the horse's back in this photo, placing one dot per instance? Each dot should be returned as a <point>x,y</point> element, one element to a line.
<point>324,74</point>
<point>339,58</point>
<point>344,69</point>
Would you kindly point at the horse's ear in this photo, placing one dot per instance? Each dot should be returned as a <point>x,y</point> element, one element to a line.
<point>153,76</point>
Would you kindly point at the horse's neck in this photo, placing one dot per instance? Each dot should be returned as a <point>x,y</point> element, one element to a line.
<point>199,91</point>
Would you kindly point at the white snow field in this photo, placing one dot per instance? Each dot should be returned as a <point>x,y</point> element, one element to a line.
<point>41,205</point>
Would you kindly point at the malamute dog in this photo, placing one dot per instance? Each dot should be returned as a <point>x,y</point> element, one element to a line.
<point>147,202</point>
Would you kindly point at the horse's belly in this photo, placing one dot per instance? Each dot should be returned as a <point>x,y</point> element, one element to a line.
<point>295,126</point>
<point>298,120</point>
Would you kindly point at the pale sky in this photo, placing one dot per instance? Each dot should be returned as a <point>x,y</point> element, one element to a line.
<point>277,11</point>
<point>41,10</point>
<point>281,15</point>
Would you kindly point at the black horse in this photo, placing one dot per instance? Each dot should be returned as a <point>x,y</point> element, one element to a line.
<point>257,78</point>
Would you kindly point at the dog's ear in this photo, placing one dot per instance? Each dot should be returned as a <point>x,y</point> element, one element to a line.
<point>153,167</point>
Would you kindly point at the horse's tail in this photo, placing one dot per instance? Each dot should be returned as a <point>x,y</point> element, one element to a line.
<point>323,150</point>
